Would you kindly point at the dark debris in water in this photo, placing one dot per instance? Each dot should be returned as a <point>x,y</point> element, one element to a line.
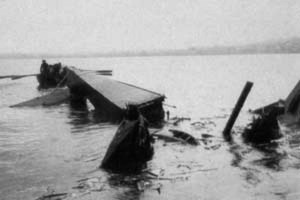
<point>146,180</point>
<point>57,196</point>
<point>184,136</point>
<point>155,179</point>
<point>263,128</point>
<point>205,124</point>
<point>95,184</point>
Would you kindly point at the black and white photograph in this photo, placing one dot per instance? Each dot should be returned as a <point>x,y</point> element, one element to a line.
<point>142,100</point>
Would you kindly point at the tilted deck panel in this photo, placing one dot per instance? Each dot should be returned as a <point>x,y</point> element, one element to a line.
<point>118,93</point>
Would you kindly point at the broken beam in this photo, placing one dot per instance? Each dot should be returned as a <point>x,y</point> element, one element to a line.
<point>237,108</point>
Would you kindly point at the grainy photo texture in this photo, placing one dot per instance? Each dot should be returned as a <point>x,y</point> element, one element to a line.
<point>160,99</point>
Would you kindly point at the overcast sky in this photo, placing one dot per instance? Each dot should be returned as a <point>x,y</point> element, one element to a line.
<point>68,26</point>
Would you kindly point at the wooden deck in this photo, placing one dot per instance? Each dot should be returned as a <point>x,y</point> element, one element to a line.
<point>109,97</point>
<point>118,93</point>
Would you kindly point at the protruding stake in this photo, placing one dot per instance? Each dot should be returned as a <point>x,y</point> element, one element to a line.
<point>238,106</point>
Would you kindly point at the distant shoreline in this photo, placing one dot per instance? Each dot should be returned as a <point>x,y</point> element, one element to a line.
<point>287,46</point>
<point>49,56</point>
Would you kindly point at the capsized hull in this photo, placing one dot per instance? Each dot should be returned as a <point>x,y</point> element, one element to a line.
<point>130,148</point>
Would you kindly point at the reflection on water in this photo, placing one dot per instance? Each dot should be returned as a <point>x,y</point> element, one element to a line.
<point>127,183</point>
<point>266,155</point>
<point>259,163</point>
<point>80,118</point>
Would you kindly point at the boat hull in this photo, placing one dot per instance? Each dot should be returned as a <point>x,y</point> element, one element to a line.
<point>130,148</point>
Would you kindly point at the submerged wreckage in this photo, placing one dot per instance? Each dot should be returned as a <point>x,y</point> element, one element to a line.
<point>131,146</point>
<point>109,97</point>
<point>265,125</point>
<point>113,100</point>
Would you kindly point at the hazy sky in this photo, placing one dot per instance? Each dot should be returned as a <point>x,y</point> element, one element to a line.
<point>68,26</point>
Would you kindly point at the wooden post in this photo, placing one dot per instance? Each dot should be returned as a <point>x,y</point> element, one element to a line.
<point>238,106</point>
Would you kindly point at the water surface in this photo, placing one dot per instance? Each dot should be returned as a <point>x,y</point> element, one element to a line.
<point>50,149</point>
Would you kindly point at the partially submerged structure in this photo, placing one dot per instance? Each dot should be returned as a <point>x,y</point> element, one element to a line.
<point>51,75</point>
<point>113,100</point>
<point>278,105</point>
<point>109,97</point>
<point>131,146</point>
<point>54,75</point>
<point>288,110</point>
<point>264,127</point>
<point>55,97</point>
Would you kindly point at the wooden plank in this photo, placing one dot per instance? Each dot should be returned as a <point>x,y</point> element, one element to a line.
<point>58,96</point>
<point>14,77</point>
<point>237,108</point>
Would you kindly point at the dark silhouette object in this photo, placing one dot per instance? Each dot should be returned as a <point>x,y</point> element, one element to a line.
<point>132,112</point>
<point>168,115</point>
<point>131,146</point>
<point>51,75</point>
<point>44,67</point>
<point>237,108</point>
<point>56,196</point>
<point>184,136</point>
<point>264,128</point>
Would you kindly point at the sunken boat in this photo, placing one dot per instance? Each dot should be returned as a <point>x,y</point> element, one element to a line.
<point>131,147</point>
<point>109,97</point>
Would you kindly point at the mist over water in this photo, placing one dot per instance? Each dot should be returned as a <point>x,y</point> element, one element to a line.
<point>50,149</point>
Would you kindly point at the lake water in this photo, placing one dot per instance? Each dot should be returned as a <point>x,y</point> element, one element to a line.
<point>45,150</point>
